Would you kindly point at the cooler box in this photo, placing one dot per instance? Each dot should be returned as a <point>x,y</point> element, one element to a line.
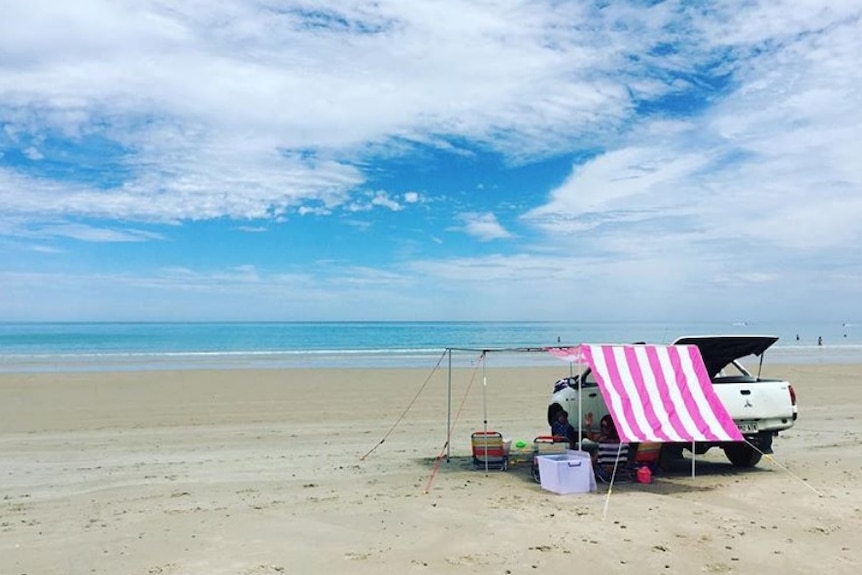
<point>520,452</point>
<point>570,472</point>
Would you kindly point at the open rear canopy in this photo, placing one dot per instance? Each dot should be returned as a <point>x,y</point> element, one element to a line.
<point>656,392</point>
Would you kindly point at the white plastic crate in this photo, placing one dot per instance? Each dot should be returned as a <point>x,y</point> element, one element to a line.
<point>570,472</point>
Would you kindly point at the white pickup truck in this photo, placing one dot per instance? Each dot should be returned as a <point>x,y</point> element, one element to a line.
<point>760,407</point>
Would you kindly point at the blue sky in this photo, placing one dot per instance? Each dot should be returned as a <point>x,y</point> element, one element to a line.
<point>392,160</point>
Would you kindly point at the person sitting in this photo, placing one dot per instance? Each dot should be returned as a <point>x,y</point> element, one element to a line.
<point>611,453</point>
<point>560,427</point>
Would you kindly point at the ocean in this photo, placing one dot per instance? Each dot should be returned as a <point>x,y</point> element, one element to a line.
<point>31,347</point>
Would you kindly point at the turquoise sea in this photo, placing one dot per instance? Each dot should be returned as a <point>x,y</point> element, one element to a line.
<point>135,346</point>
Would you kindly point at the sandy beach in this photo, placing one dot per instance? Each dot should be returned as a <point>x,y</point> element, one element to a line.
<point>338,471</point>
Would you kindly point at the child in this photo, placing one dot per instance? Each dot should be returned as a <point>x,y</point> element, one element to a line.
<point>561,427</point>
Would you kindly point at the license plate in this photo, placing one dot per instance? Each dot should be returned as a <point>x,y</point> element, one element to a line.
<point>750,427</point>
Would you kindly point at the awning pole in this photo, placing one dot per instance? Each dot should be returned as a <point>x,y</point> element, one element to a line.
<point>580,405</point>
<point>693,456</point>
<point>449,412</point>
<point>485,408</point>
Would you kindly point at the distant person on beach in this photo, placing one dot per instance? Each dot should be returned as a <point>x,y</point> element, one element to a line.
<point>797,337</point>
<point>819,340</point>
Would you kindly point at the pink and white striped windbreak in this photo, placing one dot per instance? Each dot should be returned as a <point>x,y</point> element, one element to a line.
<point>657,392</point>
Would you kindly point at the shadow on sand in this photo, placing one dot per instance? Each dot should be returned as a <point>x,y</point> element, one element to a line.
<point>674,479</point>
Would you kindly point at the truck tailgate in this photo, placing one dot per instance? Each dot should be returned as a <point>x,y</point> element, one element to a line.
<point>763,400</point>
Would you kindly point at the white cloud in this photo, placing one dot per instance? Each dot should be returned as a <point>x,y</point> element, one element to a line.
<point>485,227</point>
<point>89,233</point>
<point>383,199</point>
<point>206,100</point>
<point>33,153</point>
<point>367,201</point>
<point>46,249</point>
<point>629,184</point>
<point>314,211</point>
<point>770,172</point>
<point>75,231</point>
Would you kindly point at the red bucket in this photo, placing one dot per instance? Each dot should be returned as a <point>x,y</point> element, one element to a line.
<point>644,474</point>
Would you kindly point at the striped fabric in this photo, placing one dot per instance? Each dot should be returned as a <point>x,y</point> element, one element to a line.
<point>657,392</point>
<point>608,453</point>
<point>489,450</point>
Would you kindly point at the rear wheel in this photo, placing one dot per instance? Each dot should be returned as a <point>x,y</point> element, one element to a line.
<point>742,455</point>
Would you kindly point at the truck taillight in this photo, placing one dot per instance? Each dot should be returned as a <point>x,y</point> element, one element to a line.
<point>792,394</point>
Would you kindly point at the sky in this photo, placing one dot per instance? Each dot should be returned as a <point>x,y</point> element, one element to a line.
<point>430,160</point>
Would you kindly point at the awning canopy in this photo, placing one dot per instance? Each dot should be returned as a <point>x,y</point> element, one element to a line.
<point>656,392</point>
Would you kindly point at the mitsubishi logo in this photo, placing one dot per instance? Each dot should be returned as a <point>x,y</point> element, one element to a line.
<point>747,403</point>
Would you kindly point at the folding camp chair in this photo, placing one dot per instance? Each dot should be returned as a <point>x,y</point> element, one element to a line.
<point>489,452</point>
<point>612,463</point>
<point>646,453</point>
<point>546,445</point>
